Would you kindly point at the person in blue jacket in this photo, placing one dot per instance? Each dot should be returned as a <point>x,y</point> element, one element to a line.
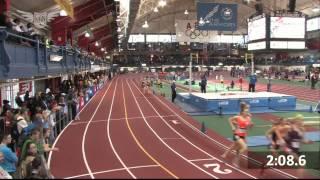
<point>252,82</point>
<point>10,158</point>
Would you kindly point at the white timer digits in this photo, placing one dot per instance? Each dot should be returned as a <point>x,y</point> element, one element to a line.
<point>286,160</point>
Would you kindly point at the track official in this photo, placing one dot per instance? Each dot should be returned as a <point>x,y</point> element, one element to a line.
<point>173,91</point>
<point>252,82</point>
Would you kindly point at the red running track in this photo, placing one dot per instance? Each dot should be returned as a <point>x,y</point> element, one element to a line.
<point>123,133</point>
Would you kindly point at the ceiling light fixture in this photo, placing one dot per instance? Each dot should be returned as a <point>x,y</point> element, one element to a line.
<point>102,49</point>
<point>316,9</point>
<point>186,12</point>
<point>145,25</point>
<point>96,44</point>
<point>162,3</point>
<point>87,34</point>
<point>63,13</point>
<point>155,9</point>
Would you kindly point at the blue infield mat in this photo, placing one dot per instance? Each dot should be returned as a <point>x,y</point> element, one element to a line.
<point>254,141</point>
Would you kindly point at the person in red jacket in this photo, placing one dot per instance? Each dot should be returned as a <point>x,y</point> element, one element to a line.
<point>240,82</point>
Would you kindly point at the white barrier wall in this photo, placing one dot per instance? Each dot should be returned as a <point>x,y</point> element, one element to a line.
<point>290,68</point>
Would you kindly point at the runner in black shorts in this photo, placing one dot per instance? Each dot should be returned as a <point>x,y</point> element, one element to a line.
<point>295,136</point>
<point>276,135</point>
<point>294,139</point>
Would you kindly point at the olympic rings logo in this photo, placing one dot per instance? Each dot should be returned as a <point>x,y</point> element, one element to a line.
<point>194,33</point>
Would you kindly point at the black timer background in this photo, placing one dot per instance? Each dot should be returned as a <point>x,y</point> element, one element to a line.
<point>312,160</point>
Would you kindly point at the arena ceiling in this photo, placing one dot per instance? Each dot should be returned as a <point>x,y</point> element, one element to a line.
<point>98,15</point>
<point>164,20</point>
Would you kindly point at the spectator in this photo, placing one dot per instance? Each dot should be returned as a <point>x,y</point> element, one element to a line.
<point>73,97</point>
<point>240,82</point>
<point>232,84</point>
<point>269,85</point>
<point>18,100</point>
<point>314,80</point>
<point>203,85</point>
<point>6,106</point>
<point>4,20</point>
<point>109,76</point>
<point>52,121</point>
<point>33,139</point>
<point>35,169</point>
<point>41,146</point>
<point>24,112</point>
<point>18,128</point>
<point>173,91</point>
<point>252,82</point>
<point>10,158</point>
<point>16,25</point>
<point>31,154</point>
<point>47,136</point>
<point>26,97</point>
<point>62,104</point>
<point>41,101</point>
<point>30,30</point>
<point>49,97</point>
<point>3,173</point>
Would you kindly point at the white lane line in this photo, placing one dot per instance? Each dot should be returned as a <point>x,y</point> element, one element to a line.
<point>196,160</point>
<point>218,143</point>
<point>63,130</point>
<point>142,98</point>
<point>79,123</point>
<point>109,137</point>
<point>115,119</point>
<point>85,134</point>
<point>163,142</point>
<point>118,119</point>
<point>312,117</point>
<point>200,149</point>
<point>112,170</point>
<point>160,116</point>
<point>172,138</point>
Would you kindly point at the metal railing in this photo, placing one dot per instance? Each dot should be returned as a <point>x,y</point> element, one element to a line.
<point>63,119</point>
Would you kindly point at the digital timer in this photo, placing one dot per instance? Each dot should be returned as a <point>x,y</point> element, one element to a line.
<point>286,160</point>
<point>305,160</point>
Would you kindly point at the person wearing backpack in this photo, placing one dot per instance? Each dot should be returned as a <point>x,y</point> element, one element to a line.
<point>17,129</point>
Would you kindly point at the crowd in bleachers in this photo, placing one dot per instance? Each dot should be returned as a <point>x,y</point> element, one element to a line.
<point>28,132</point>
<point>291,60</point>
<point>31,34</point>
<point>23,29</point>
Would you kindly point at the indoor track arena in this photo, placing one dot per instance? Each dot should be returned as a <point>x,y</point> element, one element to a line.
<point>160,89</point>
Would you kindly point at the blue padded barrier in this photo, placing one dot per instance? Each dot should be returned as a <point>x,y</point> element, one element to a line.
<point>254,141</point>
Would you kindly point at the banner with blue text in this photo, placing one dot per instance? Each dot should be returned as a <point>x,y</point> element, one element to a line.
<point>217,16</point>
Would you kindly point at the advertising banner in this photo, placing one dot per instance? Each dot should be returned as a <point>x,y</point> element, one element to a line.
<point>217,16</point>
